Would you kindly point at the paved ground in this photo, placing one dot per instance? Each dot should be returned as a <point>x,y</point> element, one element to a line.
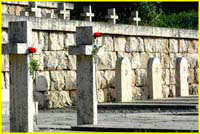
<point>64,120</point>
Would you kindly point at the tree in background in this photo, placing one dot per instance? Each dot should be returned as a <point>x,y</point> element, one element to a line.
<point>161,14</point>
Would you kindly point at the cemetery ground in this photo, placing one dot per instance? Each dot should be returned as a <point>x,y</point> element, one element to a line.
<point>178,114</point>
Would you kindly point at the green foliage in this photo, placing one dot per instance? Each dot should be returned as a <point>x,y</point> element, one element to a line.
<point>34,66</point>
<point>153,15</point>
<point>158,14</point>
<point>188,20</point>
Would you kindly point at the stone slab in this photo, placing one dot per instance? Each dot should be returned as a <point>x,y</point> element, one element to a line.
<point>106,28</point>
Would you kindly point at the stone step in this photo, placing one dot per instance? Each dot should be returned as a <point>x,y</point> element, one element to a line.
<point>110,128</point>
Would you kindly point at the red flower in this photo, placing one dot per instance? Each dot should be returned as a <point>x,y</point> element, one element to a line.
<point>97,34</point>
<point>32,50</point>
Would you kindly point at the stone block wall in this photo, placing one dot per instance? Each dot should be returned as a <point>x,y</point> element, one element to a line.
<point>55,84</point>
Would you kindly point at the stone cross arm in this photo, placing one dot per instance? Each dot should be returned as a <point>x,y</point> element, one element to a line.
<point>80,50</point>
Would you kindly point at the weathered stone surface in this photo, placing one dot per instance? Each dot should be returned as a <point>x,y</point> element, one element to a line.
<point>107,61</point>
<point>60,25</point>
<point>123,80</point>
<point>172,91</point>
<point>4,36</point>
<point>140,93</point>
<point>193,89</point>
<point>144,57</point>
<point>100,95</point>
<point>154,76</point>
<point>183,46</point>
<point>193,46</point>
<point>55,60</point>
<point>107,42</point>
<point>41,98</point>
<point>182,87</point>
<point>70,80</point>
<point>167,76</point>
<point>109,95</point>
<point>165,60</point>
<point>134,44</point>
<point>165,91</point>
<point>172,78</point>
<point>42,82</point>
<point>141,77</point>
<point>101,80</point>
<point>150,44</point>
<point>173,57</point>
<point>69,39</point>
<point>191,75</point>
<point>5,62</point>
<point>135,61</point>
<point>43,40</point>
<point>110,78</point>
<point>58,99</point>
<point>192,60</point>
<point>71,59</point>
<point>2,82</point>
<point>156,45</point>
<point>56,41</point>
<point>18,10</point>
<point>133,81</point>
<point>173,45</point>
<point>119,43</point>
<point>73,97</point>
<point>57,80</point>
<point>196,75</point>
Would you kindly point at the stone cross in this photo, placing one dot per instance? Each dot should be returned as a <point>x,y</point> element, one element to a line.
<point>182,87</point>
<point>63,11</point>
<point>134,18</point>
<point>21,84</point>
<point>123,80</point>
<point>32,10</point>
<point>154,78</point>
<point>112,17</point>
<point>87,13</point>
<point>86,76</point>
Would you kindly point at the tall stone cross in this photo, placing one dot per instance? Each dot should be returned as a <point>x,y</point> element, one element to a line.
<point>136,18</point>
<point>21,84</point>
<point>112,17</point>
<point>32,10</point>
<point>86,76</point>
<point>87,13</point>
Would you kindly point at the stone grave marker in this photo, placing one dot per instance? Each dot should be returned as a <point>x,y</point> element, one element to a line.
<point>32,10</point>
<point>154,78</point>
<point>112,17</point>
<point>21,85</point>
<point>182,87</point>
<point>123,80</point>
<point>87,13</point>
<point>135,18</point>
<point>86,76</point>
<point>63,11</point>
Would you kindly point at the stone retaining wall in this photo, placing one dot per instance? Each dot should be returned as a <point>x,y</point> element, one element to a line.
<point>55,85</point>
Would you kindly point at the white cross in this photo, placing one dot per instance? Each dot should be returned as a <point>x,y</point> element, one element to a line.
<point>136,18</point>
<point>87,13</point>
<point>112,15</point>
<point>62,14</point>
<point>33,9</point>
